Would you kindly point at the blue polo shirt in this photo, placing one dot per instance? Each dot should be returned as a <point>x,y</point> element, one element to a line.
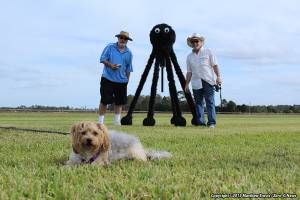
<point>112,54</point>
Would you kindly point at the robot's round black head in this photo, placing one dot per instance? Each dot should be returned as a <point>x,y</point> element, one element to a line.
<point>162,36</point>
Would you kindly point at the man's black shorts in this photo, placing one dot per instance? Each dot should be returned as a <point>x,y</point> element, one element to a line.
<point>112,92</point>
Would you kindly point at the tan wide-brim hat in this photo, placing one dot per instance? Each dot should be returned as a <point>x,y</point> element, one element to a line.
<point>194,36</point>
<point>124,34</point>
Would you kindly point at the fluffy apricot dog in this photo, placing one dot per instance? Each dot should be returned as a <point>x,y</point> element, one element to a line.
<point>92,143</point>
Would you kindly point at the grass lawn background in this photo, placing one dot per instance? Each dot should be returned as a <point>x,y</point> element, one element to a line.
<point>243,154</point>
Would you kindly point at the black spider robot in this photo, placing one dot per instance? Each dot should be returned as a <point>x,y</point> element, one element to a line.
<point>162,38</point>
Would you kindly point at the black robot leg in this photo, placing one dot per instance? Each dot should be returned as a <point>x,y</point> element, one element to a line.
<point>182,81</point>
<point>178,120</point>
<point>149,120</point>
<point>127,120</point>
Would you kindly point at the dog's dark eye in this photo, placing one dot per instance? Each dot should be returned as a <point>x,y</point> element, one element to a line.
<point>167,30</point>
<point>83,133</point>
<point>95,133</point>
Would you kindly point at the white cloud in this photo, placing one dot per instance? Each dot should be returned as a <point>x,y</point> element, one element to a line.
<point>56,44</point>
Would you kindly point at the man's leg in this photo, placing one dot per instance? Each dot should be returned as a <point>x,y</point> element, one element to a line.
<point>120,92</point>
<point>118,110</point>
<point>102,111</point>
<point>106,98</point>
<point>209,95</point>
<point>198,96</point>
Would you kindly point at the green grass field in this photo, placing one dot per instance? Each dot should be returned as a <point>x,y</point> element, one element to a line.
<point>243,154</point>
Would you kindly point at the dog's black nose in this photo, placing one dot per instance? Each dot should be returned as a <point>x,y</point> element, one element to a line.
<point>88,141</point>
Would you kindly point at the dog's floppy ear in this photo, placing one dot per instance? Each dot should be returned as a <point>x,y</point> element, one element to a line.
<point>73,129</point>
<point>75,137</point>
<point>102,127</point>
<point>106,141</point>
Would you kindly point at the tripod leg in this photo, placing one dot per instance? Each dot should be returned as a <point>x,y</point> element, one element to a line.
<point>149,120</point>
<point>188,95</point>
<point>173,106</point>
<point>127,120</point>
<point>178,120</point>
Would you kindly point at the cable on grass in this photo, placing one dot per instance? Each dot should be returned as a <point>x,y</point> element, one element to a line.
<point>33,130</point>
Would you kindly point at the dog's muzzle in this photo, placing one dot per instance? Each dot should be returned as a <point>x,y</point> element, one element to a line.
<point>88,142</point>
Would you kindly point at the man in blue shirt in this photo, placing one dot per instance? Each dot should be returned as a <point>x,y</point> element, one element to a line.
<point>117,60</point>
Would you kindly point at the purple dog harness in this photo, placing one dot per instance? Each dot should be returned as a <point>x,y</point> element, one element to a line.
<point>92,159</point>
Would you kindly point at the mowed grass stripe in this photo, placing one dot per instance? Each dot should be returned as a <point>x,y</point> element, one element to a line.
<point>245,154</point>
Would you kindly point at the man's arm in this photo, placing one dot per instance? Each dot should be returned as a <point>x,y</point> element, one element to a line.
<point>128,75</point>
<point>217,72</point>
<point>112,66</point>
<point>187,81</point>
<point>104,58</point>
<point>129,66</point>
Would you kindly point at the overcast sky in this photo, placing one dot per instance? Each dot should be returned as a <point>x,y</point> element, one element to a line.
<point>49,50</point>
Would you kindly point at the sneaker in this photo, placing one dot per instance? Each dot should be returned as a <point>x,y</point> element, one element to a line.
<point>118,123</point>
<point>211,126</point>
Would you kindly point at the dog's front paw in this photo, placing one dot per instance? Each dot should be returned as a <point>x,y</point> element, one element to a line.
<point>72,162</point>
<point>68,162</point>
<point>101,162</point>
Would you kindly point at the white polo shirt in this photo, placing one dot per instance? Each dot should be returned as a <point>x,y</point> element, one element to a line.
<point>201,65</point>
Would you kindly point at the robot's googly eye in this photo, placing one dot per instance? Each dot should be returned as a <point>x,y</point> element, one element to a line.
<point>167,30</point>
<point>157,30</point>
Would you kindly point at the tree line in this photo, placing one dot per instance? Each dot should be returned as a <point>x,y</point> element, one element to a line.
<point>163,103</point>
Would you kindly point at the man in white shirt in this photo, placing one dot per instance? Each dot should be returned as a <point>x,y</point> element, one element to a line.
<point>201,67</point>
